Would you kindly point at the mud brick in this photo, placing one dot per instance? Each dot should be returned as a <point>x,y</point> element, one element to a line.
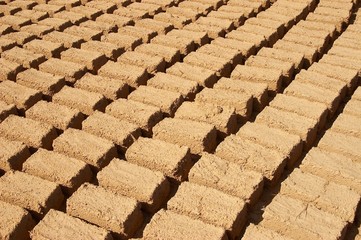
<point>221,66</point>
<point>111,88</point>
<point>335,20</point>
<point>241,102</point>
<point>75,18</point>
<point>24,57</point>
<point>30,192</point>
<point>16,222</point>
<point>119,131</point>
<point>292,123</point>
<point>114,20</point>
<point>46,164</point>
<point>59,116</point>
<point>23,4</point>
<point>310,53</point>
<point>177,21</point>
<point>23,97</point>
<point>58,225</point>
<point>6,44</point>
<point>268,23</point>
<point>111,51</point>
<point>347,124</point>
<point>66,3</point>
<point>165,224</point>
<point>91,59</point>
<point>154,25</point>
<point>353,108</point>
<point>167,101</point>
<point>151,63</point>
<point>89,201</point>
<point>244,48</point>
<point>286,68</point>
<point>247,11</point>
<point>145,116</point>
<point>211,31</point>
<point>232,55</point>
<point>37,30</point>
<point>259,91</point>
<point>134,14</point>
<point>321,35</point>
<point>104,6</point>
<point>65,39</point>
<point>15,22</point>
<point>8,69</point>
<point>344,52</point>
<point>100,26</point>
<point>184,12</point>
<point>165,81</point>
<point>272,77</point>
<point>252,156</point>
<point>46,83</point>
<point>327,196</point>
<point>333,167</point>
<point>6,110</point>
<point>20,37</point>
<point>199,38</point>
<point>93,150</point>
<point>215,3</point>
<point>9,10</point>
<point>50,9</point>
<point>357,94</point>
<point>223,118</point>
<point>288,21</point>
<point>286,56</point>
<point>349,76</point>
<point>314,42</point>
<point>235,18</point>
<point>149,187</point>
<point>197,136</point>
<point>196,6</point>
<point>342,62</point>
<point>269,34</point>
<point>85,101</point>
<point>202,76</point>
<point>184,45</point>
<point>341,143</point>
<point>34,16</point>
<point>289,145</point>
<point>13,154</point>
<point>130,74</point>
<point>125,41</point>
<point>214,172</point>
<point>224,24</point>
<point>171,55</point>
<point>163,3</point>
<point>172,160</point>
<point>71,71</point>
<point>326,10</point>
<point>85,33</point>
<point>209,205</point>
<point>259,232</point>
<point>145,34</point>
<point>46,48</point>
<point>150,8</point>
<point>302,107</point>
<point>57,23</point>
<point>89,12</point>
<point>314,93</point>
<point>258,41</point>
<point>248,4</point>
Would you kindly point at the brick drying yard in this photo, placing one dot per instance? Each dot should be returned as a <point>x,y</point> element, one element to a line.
<point>180,119</point>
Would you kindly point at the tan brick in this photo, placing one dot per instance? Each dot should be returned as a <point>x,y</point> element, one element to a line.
<point>23,97</point>
<point>241,102</point>
<point>13,154</point>
<point>20,37</point>
<point>49,8</point>
<point>37,30</point>
<point>223,118</point>
<point>145,116</point>
<point>149,187</point>
<point>199,7</point>
<point>16,222</point>
<point>116,213</point>
<point>29,192</point>
<point>59,116</point>
<point>293,57</point>
<point>132,75</point>
<point>152,9</point>
<point>212,31</point>
<point>197,136</point>
<point>151,63</point>
<point>210,206</point>
<point>236,18</point>
<point>184,45</point>
<point>167,101</point>
<point>172,160</point>
<point>170,55</point>
<point>125,41</point>
<point>110,50</point>
<point>24,57</point>
<point>15,22</point>
<point>145,34</point>
<point>6,44</point>
<point>193,15</point>
<point>310,41</point>
<point>58,225</point>
<point>6,110</point>
<point>163,3</point>
<point>104,27</point>
<point>75,18</point>
<point>89,12</point>
<point>157,26</point>
<point>310,53</point>
<point>289,145</point>
<point>63,38</point>
<point>231,55</point>
<point>114,20</point>
<point>258,41</point>
<point>134,14</point>
<point>91,149</point>
<point>66,3</point>
<point>258,232</point>
<point>91,59</point>
<point>347,124</point>
<point>69,70</point>
<point>353,108</point>
<point>178,21</point>
<point>8,69</point>
<point>230,178</point>
<point>165,224</point>
<point>105,6</point>
<point>199,38</point>
<point>46,48</point>
<point>84,101</point>
<point>56,23</point>
<point>9,10</point>
<point>85,33</point>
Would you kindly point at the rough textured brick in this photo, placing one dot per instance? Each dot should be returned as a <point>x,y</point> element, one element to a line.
<point>24,57</point>
<point>13,154</point>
